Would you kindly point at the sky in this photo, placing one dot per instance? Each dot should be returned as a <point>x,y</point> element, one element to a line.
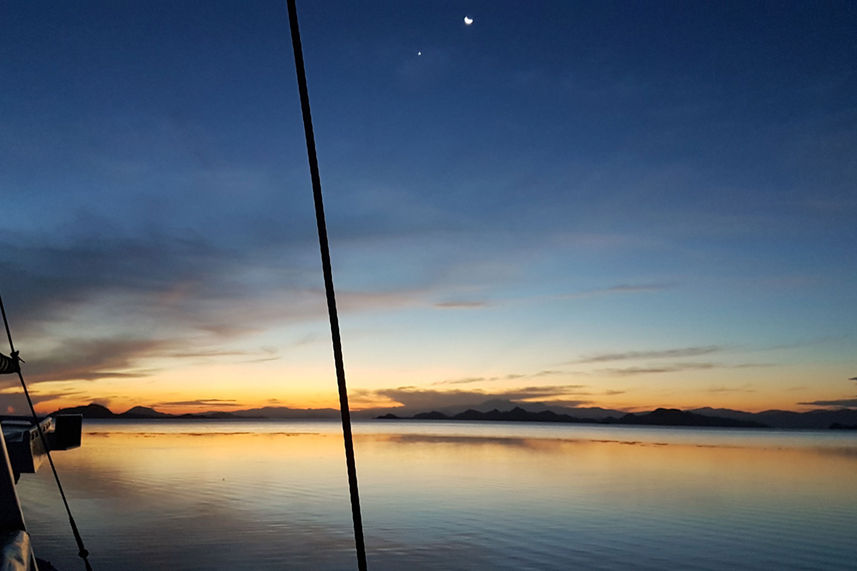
<point>616,204</point>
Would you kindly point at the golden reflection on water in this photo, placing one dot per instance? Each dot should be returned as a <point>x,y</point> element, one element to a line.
<point>397,461</point>
<point>628,470</point>
<point>437,500</point>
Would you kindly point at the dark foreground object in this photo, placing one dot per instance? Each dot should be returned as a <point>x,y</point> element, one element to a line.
<point>23,451</point>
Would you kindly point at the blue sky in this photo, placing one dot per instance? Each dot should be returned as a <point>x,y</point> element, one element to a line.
<point>603,203</point>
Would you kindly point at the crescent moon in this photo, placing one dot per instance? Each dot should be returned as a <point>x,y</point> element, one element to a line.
<point>468,20</point>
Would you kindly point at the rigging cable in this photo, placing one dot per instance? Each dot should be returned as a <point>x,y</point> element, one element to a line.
<point>82,552</point>
<point>328,286</point>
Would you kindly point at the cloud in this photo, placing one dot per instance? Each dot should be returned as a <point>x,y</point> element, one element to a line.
<point>804,343</point>
<point>746,388</point>
<point>508,377</point>
<point>676,353</point>
<point>547,373</point>
<point>205,353</point>
<point>90,359</point>
<point>412,397</point>
<point>262,359</point>
<point>303,340</point>
<point>12,397</point>
<point>465,381</point>
<point>156,282</point>
<point>610,290</point>
<point>544,391</point>
<point>371,300</point>
<point>629,371</point>
<point>836,402</point>
<point>619,289</point>
<point>38,396</point>
<point>636,288</point>
<point>654,354</point>
<point>570,403</point>
<point>853,379</point>
<point>199,402</point>
<point>47,279</point>
<point>461,304</point>
<point>84,307</point>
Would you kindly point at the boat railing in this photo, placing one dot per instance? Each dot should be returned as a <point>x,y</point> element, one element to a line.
<point>23,451</point>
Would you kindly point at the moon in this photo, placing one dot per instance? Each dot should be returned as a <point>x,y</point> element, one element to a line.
<point>468,20</point>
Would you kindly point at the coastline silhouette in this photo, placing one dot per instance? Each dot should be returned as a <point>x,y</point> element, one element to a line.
<point>727,418</point>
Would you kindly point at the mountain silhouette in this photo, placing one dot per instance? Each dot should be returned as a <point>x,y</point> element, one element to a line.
<point>707,416</point>
<point>676,417</point>
<point>88,411</point>
<point>658,417</point>
<point>143,412</point>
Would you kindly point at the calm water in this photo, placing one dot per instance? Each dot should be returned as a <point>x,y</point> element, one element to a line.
<point>273,495</point>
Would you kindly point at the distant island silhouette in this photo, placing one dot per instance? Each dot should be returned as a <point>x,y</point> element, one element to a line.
<point>99,411</point>
<point>837,426</point>
<point>657,417</point>
<point>841,419</point>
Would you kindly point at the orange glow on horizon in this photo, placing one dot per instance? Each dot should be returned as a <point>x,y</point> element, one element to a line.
<point>212,387</point>
<point>327,401</point>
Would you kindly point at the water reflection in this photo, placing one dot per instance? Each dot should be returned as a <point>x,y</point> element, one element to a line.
<point>274,495</point>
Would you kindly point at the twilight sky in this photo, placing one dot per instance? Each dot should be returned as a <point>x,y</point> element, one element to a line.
<point>618,204</point>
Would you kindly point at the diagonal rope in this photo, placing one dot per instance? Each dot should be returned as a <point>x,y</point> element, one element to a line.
<point>82,552</point>
<point>328,286</point>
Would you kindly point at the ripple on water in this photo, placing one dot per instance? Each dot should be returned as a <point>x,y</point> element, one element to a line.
<point>219,495</point>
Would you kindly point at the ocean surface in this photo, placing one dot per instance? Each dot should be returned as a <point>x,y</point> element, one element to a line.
<point>449,495</point>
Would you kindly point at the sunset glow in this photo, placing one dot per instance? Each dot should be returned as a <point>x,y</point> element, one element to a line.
<point>622,207</point>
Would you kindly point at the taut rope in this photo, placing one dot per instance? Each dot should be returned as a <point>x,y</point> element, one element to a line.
<point>328,287</point>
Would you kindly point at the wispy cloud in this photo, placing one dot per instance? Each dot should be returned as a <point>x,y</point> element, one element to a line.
<point>199,402</point>
<point>184,297</point>
<point>835,402</point>
<point>157,282</point>
<point>619,289</point>
<point>651,354</point>
<point>804,343</point>
<point>412,397</point>
<point>609,290</point>
<point>636,288</point>
<point>507,377</point>
<point>547,373</point>
<point>630,371</point>
<point>207,353</point>
<point>745,388</point>
<point>675,355</point>
<point>91,359</point>
<point>749,365</point>
<point>462,304</point>
<point>37,396</point>
<point>466,380</point>
<point>545,391</point>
